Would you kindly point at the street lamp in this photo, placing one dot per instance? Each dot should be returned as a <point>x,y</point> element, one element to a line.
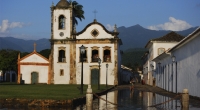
<point>99,62</point>
<point>173,58</point>
<point>174,61</point>
<point>106,74</point>
<point>82,51</point>
<point>159,73</point>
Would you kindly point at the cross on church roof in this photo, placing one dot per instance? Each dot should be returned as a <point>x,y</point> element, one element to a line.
<point>94,14</point>
<point>34,47</point>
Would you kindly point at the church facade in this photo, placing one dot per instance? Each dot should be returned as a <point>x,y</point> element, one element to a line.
<point>65,55</point>
<point>65,64</point>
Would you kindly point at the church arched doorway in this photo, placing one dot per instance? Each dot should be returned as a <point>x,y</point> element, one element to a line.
<point>94,76</point>
<point>34,78</point>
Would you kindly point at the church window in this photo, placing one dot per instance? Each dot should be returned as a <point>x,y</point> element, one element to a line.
<point>61,72</point>
<point>61,57</point>
<point>61,22</point>
<point>84,56</point>
<point>95,55</point>
<point>95,33</point>
<point>106,56</point>
<point>161,50</point>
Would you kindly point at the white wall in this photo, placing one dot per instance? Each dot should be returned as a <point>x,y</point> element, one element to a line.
<point>87,34</point>
<point>153,53</point>
<point>67,29</point>
<point>188,70</point>
<point>86,65</point>
<point>166,45</point>
<point>26,71</point>
<point>34,58</point>
<point>61,65</point>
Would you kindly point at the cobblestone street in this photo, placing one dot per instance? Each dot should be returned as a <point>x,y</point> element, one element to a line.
<point>194,101</point>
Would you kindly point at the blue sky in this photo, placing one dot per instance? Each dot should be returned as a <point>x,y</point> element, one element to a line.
<point>30,19</point>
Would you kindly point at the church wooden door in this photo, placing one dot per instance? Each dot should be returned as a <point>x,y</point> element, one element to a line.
<point>34,77</point>
<point>94,76</point>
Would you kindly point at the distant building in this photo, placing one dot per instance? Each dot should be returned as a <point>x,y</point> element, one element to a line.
<point>10,76</point>
<point>156,47</point>
<point>126,75</point>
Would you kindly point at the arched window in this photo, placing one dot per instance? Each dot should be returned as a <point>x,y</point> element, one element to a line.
<point>84,56</point>
<point>95,55</point>
<point>61,22</point>
<point>106,56</point>
<point>61,57</point>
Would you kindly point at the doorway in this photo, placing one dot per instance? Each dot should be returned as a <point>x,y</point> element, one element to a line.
<point>94,76</point>
<point>34,78</point>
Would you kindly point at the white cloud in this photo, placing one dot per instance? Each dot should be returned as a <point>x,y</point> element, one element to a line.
<point>110,27</point>
<point>173,24</point>
<point>6,25</point>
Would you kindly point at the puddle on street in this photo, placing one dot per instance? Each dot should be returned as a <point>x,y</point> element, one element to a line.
<point>125,100</point>
<point>135,100</point>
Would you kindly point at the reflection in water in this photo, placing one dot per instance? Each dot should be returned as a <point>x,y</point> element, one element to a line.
<point>125,100</point>
<point>134,100</point>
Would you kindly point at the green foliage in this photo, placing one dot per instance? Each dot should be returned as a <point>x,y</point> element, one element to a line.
<point>23,54</point>
<point>77,12</point>
<point>132,58</point>
<point>45,53</point>
<point>8,59</point>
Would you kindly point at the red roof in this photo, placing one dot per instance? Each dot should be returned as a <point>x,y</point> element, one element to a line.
<point>172,36</point>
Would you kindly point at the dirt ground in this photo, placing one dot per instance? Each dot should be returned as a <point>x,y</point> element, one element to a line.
<point>194,101</point>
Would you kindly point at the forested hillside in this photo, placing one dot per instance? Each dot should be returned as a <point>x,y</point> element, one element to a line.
<point>132,57</point>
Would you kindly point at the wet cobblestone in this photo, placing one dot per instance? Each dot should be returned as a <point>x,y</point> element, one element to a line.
<point>194,101</point>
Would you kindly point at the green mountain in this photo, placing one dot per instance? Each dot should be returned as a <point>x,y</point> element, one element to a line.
<point>137,36</point>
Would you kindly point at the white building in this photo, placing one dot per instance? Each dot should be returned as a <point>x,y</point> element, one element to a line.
<point>156,47</point>
<point>65,58</point>
<point>10,76</point>
<point>179,67</point>
<point>33,68</point>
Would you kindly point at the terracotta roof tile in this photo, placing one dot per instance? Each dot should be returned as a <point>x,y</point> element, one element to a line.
<point>172,36</point>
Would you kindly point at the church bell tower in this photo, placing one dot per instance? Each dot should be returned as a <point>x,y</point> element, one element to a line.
<point>61,32</point>
<point>61,20</point>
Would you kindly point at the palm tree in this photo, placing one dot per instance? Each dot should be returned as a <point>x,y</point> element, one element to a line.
<point>77,12</point>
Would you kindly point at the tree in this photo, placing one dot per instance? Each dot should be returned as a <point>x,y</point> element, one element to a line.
<point>8,60</point>
<point>45,53</point>
<point>23,54</point>
<point>77,12</point>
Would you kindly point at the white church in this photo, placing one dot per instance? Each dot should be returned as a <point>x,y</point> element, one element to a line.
<point>64,65</point>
